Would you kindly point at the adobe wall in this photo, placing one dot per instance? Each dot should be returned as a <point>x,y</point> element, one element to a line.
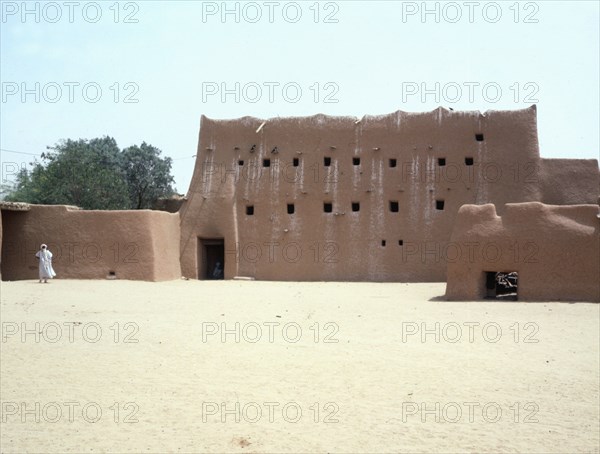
<point>438,158</point>
<point>554,249</point>
<point>0,244</point>
<point>89,244</point>
<point>569,181</point>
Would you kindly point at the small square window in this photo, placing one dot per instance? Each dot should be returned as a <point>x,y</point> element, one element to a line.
<point>250,210</point>
<point>296,162</point>
<point>393,206</point>
<point>383,243</point>
<point>327,207</point>
<point>355,206</point>
<point>479,137</point>
<point>393,163</point>
<point>266,163</point>
<point>469,161</point>
<point>400,242</point>
<point>241,162</point>
<point>439,204</point>
<point>326,161</point>
<point>290,208</point>
<point>356,161</point>
<point>441,162</point>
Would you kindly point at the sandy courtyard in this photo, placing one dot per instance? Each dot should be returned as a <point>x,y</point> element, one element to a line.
<point>232,366</point>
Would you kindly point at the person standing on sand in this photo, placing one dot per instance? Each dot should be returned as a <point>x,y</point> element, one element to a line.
<point>45,268</point>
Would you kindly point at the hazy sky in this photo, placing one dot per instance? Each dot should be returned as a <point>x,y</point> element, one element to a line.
<point>147,70</point>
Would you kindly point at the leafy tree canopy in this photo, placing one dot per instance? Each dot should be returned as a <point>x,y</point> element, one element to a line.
<point>96,175</point>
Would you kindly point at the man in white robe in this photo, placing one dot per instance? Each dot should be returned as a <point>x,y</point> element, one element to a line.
<point>45,268</point>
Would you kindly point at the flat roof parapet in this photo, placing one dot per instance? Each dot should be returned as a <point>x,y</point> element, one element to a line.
<point>15,206</point>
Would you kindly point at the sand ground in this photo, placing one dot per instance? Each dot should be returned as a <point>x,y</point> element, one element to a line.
<point>316,367</point>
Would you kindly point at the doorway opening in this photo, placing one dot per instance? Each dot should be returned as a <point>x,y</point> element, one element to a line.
<point>501,285</point>
<point>211,259</point>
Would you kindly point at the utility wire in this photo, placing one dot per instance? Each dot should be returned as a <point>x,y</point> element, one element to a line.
<point>20,152</point>
<point>39,154</point>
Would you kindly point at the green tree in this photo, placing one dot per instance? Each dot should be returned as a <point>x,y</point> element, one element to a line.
<point>85,173</point>
<point>6,189</point>
<point>95,174</point>
<point>148,175</point>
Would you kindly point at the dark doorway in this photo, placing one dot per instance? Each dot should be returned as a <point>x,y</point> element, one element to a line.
<point>501,285</point>
<point>211,259</point>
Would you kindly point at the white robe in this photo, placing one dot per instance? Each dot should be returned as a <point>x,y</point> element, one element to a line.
<point>46,270</point>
